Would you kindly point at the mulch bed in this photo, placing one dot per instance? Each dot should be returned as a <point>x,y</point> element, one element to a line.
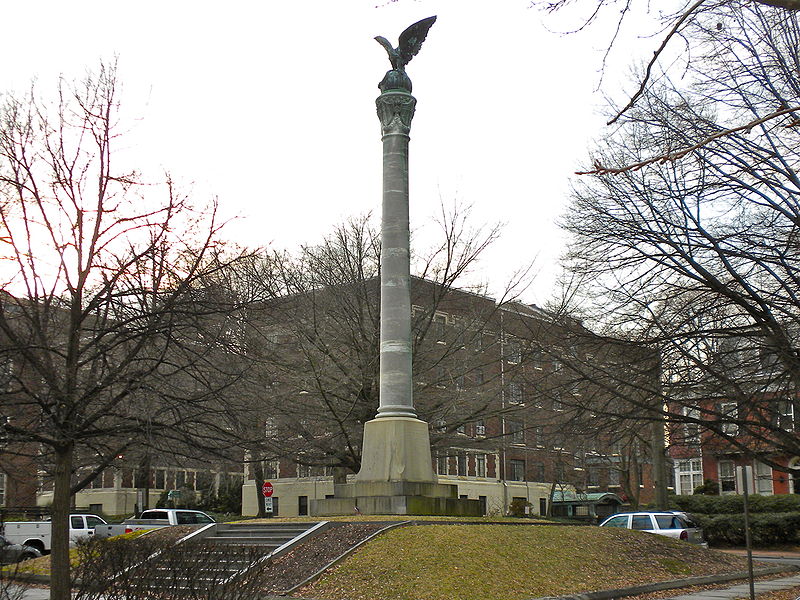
<point>308,558</point>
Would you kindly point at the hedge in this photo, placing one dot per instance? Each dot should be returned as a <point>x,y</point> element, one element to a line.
<point>765,529</point>
<point>734,504</point>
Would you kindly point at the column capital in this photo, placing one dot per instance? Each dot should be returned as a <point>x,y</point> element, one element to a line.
<point>395,110</point>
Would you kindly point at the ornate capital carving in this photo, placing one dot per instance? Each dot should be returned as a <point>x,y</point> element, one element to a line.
<point>395,110</point>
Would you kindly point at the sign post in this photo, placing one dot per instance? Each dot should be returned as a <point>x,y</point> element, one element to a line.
<point>267,490</point>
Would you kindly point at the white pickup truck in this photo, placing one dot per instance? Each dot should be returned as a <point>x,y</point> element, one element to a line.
<point>155,519</point>
<point>38,534</point>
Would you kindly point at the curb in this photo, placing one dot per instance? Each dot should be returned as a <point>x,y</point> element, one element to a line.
<point>670,585</point>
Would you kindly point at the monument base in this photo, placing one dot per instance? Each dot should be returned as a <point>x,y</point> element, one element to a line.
<point>396,477</point>
<point>396,498</point>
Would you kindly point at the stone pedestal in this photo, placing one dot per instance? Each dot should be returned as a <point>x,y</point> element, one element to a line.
<point>396,449</point>
<point>396,476</point>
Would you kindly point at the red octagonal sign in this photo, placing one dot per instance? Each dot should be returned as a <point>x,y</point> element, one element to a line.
<point>266,489</point>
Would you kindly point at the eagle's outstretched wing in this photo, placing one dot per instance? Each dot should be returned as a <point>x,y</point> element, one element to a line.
<point>411,39</point>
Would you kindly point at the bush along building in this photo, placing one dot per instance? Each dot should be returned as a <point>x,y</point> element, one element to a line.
<point>507,389</point>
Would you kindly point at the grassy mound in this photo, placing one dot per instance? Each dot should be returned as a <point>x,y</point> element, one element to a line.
<point>449,562</point>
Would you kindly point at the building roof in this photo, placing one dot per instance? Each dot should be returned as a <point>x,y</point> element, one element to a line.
<point>591,498</point>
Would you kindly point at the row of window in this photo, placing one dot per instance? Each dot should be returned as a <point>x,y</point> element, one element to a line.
<point>459,464</point>
<point>164,479</point>
<point>689,476</point>
<point>728,413</point>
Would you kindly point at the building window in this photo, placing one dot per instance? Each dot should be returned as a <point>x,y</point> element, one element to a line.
<point>728,411</point>
<point>538,436</point>
<point>557,404</point>
<point>786,415</point>
<point>480,428</point>
<point>270,469</point>
<point>480,465</point>
<point>478,378</point>
<point>515,393</point>
<point>593,476</point>
<point>613,477</point>
<point>727,477</point>
<point>460,382</point>
<point>763,477</point>
<point>439,327</point>
<point>461,464</point>
<point>303,470</point>
<point>6,373</point>
<point>513,352</point>
<point>515,432</point>
<point>692,429</point>
<point>689,475</point>
<point>516,470</point>
<point>160,482</point>
<point>2,489</point>
<point>441,464</point>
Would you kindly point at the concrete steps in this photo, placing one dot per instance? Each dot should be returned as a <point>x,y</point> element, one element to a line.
<point>262,535</point>
<point>224,554</point>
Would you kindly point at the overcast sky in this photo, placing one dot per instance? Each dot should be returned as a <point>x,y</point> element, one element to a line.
<point>270,106</point>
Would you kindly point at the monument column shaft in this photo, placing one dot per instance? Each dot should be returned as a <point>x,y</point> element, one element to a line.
<point>395,109</point>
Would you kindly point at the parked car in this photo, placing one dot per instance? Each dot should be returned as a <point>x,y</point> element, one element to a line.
<point>671,524</point>
<point>38,534</point>
<point>155,519</point>
<point>11,553</point>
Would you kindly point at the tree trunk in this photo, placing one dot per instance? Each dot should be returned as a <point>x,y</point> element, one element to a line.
<point>659,465</point>
<point>258,479</point>
<point>60,578</point>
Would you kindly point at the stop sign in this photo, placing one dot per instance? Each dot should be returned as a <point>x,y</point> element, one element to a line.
<point>266,489</point>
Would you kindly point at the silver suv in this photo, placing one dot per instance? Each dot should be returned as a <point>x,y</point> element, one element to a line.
<point>676,525</point>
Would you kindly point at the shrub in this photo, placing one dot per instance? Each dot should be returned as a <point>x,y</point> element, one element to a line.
<point>518,506</point>
<point>773,529</point>
<point>709,488</point>
<point>734,504</point>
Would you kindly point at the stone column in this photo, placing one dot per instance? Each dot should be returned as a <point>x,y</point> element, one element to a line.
<point>396,444</point>
<point>395,111</point>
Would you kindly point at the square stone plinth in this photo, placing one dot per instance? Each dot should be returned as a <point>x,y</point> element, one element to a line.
<point>387,498</point>
<point>396,449</point>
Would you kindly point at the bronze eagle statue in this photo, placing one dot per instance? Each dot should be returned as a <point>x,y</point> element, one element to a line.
<point>409,43</point>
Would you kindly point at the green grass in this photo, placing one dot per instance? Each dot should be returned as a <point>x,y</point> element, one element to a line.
<point>501,562</point>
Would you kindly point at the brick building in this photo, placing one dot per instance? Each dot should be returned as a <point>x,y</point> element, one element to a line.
<point>506,389</point>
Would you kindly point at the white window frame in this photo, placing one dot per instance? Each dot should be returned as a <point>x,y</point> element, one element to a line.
<point>692,470</point>
<point>786,413</point>
<point>726,473</point>
<point>516,395</point>
<point>691,431</point>
<point>729,410</point>
<point>480,465</point>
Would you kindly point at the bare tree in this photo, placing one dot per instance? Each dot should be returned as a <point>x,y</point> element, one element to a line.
<point>678,23</point>
<point>110,335</point>
<point>696,257</point>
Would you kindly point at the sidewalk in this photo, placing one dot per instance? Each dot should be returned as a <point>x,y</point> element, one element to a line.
<point>742,590</point>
